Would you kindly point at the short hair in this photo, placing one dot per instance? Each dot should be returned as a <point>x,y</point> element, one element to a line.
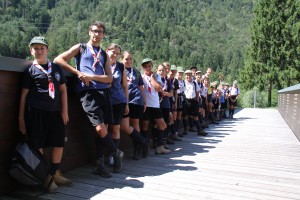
<point>112,46</point>
<point>125,52</point>
<point>99,24</point>
<point>193,68</point>
<point>166,63</point>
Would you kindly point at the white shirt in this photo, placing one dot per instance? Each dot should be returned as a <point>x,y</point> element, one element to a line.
<point>181,87</point>
<point>150,93</point>
<point>189,91</point>
<point>234,91</point>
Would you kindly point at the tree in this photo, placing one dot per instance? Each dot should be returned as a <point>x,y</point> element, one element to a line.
<point>272,53</point>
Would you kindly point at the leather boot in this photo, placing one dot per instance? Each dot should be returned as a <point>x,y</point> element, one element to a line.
<point>50,185</point>
<point>161,150</point>
<point>101,170</point>
<point>60,180</point>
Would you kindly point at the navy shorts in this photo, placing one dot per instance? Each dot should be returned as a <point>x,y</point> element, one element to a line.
<point>118,112</point>
<point>97,106</point>
<point>232,103</point>
<point>152,113</point>
<point>45,128</point>
<point>166,114</point>
<point>135,111</point>
<point>192,107</point>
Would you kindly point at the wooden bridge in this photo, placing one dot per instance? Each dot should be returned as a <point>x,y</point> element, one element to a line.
<point>253,156</point>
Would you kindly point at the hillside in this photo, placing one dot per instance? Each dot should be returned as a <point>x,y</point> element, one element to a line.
<point>202,33</point>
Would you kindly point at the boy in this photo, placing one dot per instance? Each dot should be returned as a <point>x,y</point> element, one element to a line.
<point>43,90</point>
<point>94,76</point>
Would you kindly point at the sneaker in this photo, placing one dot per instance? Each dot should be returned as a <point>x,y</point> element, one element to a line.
<point>118,157</point>
<point>193,129</point>
<point>161,150</point>
<point>110,160</point>
<point>101,170</point>
<point>202,133</point>
<point>60,180</point>
<point>50,185</point>
<point>175,138</point>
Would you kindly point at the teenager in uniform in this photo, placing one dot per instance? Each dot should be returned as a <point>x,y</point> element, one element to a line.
<point>180,100</point>
<point>200,84</point>
<point>191,93</point>
<point>173,103</point>
<point>40,117</point>
<point>223,100</point>
<point>153,112</point>
<point>130,123</point>
<point>94,77</point>
<point>215,100</point>
<point>234,93</point>
<point>203,94</point>
<point>209,97</point>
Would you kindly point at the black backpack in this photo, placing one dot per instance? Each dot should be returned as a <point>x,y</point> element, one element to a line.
<point>28,165</point>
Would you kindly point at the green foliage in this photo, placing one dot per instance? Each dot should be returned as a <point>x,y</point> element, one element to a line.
<point>187,33</point>
<point>247,99</point>
<point>273,57</point>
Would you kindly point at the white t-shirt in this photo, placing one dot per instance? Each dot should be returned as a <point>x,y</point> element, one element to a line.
<point>150,93</point>
<point>190,89</point>
<point>234,91</point>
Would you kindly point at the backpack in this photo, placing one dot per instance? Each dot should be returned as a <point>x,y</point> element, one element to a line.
<point>83,47</point>
<point>28,165</point>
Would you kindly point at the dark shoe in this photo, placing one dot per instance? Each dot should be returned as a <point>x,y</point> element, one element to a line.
<point>193,129</point>
<point>202,133</point>
<point>185,132</point>
<point>175,138</point>
<point>214,122</point>
<point>166,146</point>
<point>136,149</point>
<point>180,135</point>
<point>169,141</point>
<point>118,157</point>
<point>145,149</point>
<point>101,170</point>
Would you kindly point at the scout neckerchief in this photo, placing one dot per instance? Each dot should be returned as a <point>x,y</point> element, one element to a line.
<point>113,67</point>
<point>50,82</point>
<point>181,86</point>
<point>147,79</point>
<point>129,78</point>
<point>95,56</point>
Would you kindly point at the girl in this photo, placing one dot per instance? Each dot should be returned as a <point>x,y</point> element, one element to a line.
<point>153,112</point>
<point>234,93</point>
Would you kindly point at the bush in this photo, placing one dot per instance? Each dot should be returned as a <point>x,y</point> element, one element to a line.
<point>247,99</point>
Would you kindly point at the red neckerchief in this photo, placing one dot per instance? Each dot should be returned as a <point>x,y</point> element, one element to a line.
<point>96,56</point>
<point>50,82</point>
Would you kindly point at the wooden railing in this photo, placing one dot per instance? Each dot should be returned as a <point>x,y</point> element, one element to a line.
<point>289,107</point>
<point>79,147</point>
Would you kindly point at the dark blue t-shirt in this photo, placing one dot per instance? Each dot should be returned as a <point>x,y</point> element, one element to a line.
<point>134,81</point>
<point>37,82</point>
<point>116,89</point>
<point>167,87</point>
<point>86,61</point>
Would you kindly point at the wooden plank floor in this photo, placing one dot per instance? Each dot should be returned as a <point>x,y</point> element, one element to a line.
<point>254,156</point>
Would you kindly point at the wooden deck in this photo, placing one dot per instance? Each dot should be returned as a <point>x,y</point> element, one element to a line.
<point>254,156</point>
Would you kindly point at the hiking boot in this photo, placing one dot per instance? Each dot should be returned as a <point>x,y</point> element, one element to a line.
<point>175,138</point>
<point>193,129</point>
<point>50,185</point>
<point>169,141</point>
<point>60,180</point>
<point>101,170</point>
<point>202,132</point>
<point>161,150</point>
<point>145,149</point>
<point>118,157</point>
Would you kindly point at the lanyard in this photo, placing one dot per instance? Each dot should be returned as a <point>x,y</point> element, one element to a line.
<point>147,78</point>
<point>50,82</point>
<point>96,56</point>
<point>129,78</point>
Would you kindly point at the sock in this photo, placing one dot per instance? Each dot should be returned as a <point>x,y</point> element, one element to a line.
<point>232,111</point>
<point>167,131</point>
<point>116,142</point>
<point>172,128</point>
<point>54,167</point>
<point>137,137</point>
<point>176,123</point>
<point>144,134</point>
<point>160,135</point>
<point>197,124</point>
<point>184,121</point>
<point>191,123</point>
<point>108,142</point>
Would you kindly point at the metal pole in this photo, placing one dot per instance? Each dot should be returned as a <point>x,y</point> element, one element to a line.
<point>254,98</point>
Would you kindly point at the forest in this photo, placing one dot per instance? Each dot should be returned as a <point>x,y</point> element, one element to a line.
<point>202,33</point>
<point>256,42</point>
